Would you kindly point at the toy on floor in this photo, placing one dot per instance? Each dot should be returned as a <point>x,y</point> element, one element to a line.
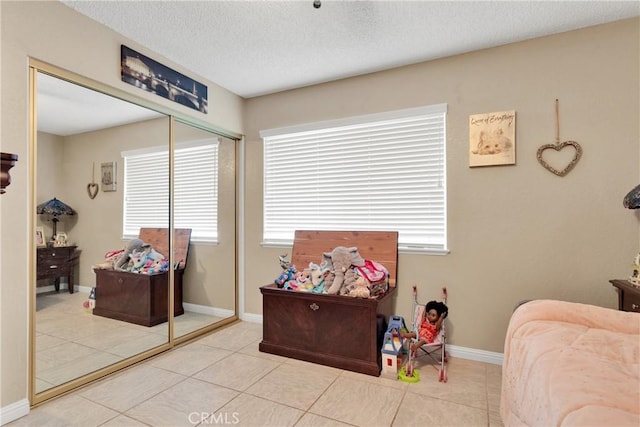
<point>427,335</point>
<point>90,303</point>
<point>392,347</point>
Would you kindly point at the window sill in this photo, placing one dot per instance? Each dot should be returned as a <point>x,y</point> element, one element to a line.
<point>422,250</point>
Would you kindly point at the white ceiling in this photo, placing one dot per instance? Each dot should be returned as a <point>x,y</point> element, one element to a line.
<point>67,109</point>
<point>259,47</point>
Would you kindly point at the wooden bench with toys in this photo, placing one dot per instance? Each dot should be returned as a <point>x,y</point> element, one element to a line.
<point>331,314</point>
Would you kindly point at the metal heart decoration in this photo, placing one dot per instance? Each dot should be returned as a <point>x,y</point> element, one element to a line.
<point>92,189</point>
<point>559,146</point>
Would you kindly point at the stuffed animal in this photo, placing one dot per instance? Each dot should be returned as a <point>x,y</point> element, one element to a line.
<point>361,289</point>
<point>343,258</point>
<point>288,275</point>
<point>124,259</point>
<point>155,266</point>
<point>318,276</point>
<point>377,275</point>
<point>143,258</point>
<point>110,260</point>
<point>349,283</point>
<point>284,262</point>
<point>303,278</point>
<point>327,268</point>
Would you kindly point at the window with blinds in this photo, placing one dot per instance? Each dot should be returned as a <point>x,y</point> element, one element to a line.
<point>146,189</point>
<point>377,172</point>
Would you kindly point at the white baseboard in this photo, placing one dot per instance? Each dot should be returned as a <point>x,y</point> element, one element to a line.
<point>454,350</point>
<point>83,289</point>
<point>203,309</point>
<point>63,287</point>
<point>51,288</point>
<point>475,354</point>
<point>13,411</point>
<point>250,317</point>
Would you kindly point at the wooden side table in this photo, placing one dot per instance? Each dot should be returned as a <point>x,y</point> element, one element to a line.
<point>57,262</point>
<point>628,295</point>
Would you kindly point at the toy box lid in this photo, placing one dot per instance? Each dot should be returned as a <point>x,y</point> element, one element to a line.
<point>380,246</point>
<point>158,238</point>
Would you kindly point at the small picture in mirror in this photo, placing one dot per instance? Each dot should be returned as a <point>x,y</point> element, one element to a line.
<point>61,240</point>
<point>108,174</point>
<point>40,241</point>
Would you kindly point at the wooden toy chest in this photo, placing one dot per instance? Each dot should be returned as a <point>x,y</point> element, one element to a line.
<point>339,331</point>
<point>143,299</point>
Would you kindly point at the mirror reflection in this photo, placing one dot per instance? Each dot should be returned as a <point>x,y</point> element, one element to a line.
<point>81,224</point>
<point>204,202</point>
<point>102,216</point>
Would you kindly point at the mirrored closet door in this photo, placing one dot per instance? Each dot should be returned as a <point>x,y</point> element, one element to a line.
<point>205,203</point>
<point>101,205</point>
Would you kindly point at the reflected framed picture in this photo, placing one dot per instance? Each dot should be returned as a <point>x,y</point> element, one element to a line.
<point>40,241</point>
<point>61,240</point>
<point>108,176</point>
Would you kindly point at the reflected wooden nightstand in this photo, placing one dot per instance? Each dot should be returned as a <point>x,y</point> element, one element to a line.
<point>628,295</point>
<point>57,262</point>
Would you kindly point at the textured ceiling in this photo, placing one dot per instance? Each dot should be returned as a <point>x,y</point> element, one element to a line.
<point>59,101</point>
<point>258,47</point>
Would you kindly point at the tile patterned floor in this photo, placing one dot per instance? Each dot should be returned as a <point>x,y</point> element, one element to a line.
<point>71,342</point>
<point>222,378</point>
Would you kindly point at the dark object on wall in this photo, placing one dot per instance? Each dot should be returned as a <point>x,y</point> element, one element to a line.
<point>632,199</point>
<point>55,208</point>
<point>8,161</point>
<point>145,73</point>
<point>317,4</point>
<point>339,331</point>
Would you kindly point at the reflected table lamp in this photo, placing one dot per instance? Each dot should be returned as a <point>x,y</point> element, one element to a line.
<point>54,208</point>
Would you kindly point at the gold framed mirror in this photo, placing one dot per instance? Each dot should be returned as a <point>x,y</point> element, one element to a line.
<point>80,156</point>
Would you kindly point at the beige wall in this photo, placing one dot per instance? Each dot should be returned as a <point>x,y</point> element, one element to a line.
<point>49,176</point>
<point>515,232</point>
<point>98,226</point>
<point>53,33</point>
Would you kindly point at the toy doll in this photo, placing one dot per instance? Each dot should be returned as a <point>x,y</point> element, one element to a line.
<point>434,313</point>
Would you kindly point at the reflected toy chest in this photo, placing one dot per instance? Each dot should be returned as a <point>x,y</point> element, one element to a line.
<point>143,299</point>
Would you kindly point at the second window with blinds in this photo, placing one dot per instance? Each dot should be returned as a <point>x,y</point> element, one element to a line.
<point>383,172</point>
<point>195,189</point>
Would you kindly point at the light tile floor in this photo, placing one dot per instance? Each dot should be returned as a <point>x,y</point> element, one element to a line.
<point>222,378</point>
<point>72,342</point>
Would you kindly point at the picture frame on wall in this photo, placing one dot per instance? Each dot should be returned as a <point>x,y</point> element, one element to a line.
<point>492,139</point>
<point>108,176</point>
<point>143,72</point>
<point>40,240</point>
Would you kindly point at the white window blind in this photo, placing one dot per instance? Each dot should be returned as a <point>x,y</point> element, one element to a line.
<point>379,172</point>
<point>146,189</point>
